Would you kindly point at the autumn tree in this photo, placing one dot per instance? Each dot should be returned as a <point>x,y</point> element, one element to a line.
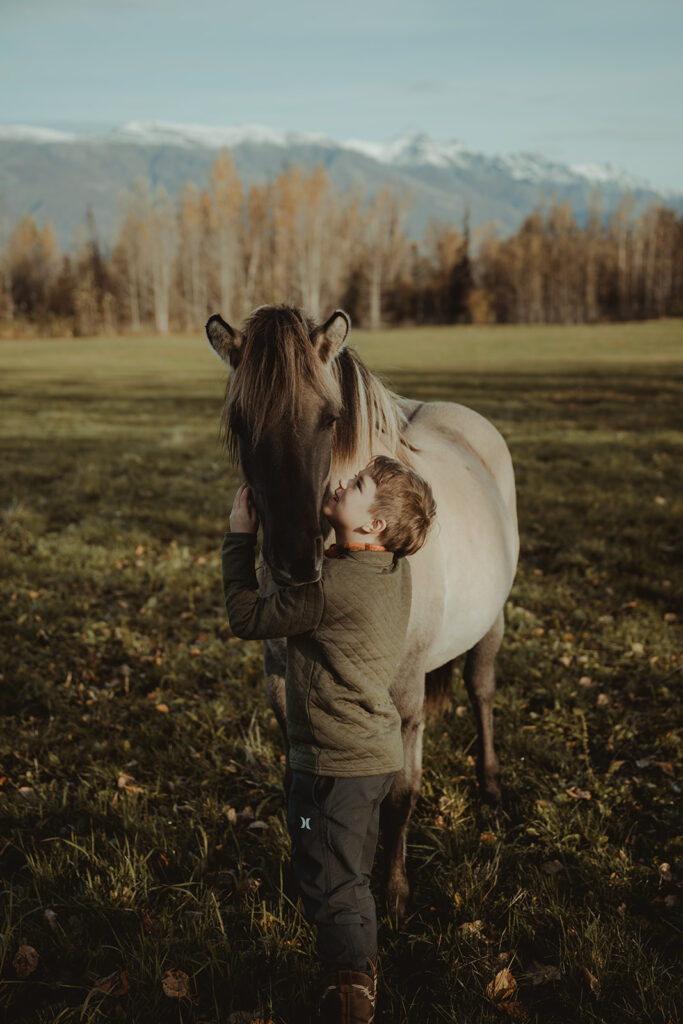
<point>30,263</point>
<point>386,247</point>
<point>128,258</point>
<point>255,234</point>
<point>193,263</point>
<point>299,240</point>
<point>224,203</point>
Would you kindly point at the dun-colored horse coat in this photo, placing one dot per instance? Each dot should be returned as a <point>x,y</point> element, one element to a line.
<point>301,412</point>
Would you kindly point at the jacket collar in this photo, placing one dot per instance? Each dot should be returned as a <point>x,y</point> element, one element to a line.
<point>335,550</point>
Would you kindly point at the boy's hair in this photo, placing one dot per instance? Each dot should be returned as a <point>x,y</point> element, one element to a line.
<point>405,501</point>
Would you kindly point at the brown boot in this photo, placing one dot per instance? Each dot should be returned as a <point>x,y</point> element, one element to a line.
<point>348,997</point>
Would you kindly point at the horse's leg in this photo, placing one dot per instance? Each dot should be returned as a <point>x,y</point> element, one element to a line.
<point>400,801</point>
<point>274,667</point>
<point>480,679</point>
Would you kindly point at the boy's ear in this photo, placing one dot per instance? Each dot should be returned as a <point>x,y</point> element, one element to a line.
<point>330,338</point>
<point>375,526</point>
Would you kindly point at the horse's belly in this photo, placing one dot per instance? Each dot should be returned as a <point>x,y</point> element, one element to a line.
<point>464,573</point>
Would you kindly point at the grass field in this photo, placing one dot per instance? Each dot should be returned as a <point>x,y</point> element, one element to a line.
<point>142,826</point>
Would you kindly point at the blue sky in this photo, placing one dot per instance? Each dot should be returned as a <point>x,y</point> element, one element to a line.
<point>578,81</point>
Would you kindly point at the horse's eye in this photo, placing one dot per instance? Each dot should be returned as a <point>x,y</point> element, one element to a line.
<point>330,422</point>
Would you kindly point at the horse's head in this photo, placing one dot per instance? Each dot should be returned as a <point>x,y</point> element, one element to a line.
<point>281,404</point>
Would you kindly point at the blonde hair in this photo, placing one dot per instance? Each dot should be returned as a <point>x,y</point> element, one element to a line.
<point>405,501</point>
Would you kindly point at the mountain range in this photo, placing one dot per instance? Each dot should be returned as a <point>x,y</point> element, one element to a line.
<point>57,175</point>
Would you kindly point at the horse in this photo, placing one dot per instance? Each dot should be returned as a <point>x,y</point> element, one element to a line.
<point>301,412</point>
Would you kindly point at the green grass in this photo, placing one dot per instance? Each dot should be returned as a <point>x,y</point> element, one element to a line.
<point>158,837</point>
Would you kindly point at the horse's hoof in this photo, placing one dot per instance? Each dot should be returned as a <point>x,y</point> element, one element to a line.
<point>490,794</point>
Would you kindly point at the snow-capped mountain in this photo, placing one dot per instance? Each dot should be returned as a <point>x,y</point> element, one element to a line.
<point>57,174</point>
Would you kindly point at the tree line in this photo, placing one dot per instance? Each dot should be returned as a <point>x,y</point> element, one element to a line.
<point>299,240</point>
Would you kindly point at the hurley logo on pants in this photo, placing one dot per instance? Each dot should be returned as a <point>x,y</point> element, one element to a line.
<point>306,823</point>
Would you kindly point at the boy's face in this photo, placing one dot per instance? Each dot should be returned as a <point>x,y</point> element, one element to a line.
<point>349,505</point>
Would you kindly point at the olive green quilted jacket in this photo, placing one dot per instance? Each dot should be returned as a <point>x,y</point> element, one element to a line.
<point>345,638</point>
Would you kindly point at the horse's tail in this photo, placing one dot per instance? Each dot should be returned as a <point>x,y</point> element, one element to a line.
<point>437,687</point>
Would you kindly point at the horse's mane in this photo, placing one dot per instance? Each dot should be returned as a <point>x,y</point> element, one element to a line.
<point>276,355</point>
<point>371,415</point>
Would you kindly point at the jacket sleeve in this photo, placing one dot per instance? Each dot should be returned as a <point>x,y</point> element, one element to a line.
<point>287,612</point>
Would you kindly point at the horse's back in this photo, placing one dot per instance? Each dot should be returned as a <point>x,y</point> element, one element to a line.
<point>470,560</point>
<point>463,430</point>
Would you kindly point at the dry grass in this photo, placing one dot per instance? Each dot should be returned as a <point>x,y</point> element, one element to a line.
<point>157,837</point>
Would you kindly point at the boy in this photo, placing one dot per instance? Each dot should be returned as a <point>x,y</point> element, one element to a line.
<point>346,635</point>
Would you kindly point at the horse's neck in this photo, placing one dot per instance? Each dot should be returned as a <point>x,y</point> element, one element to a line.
<point>378,420</point>
<point>386,440</point>
<point>343,469</point>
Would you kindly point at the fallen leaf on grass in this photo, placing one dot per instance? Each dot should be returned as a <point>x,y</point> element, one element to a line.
<point>114,984</point>
<point>124,894</point>
<point>174,984</point>
<point>592,982</point>
<point>644,762</point>
<point>552,867</point>
<point>540,974</point>
<point>248,885</point>
<point>149,924</point>
<point>162,707</point>
<point>488,838</point>
<point>472,928</point>
<point>25,961</point>
<point>578,794</point>
<point>665,874</point>
<point>51,919</point>
<point>127,782</point>
<point>603,700</point>
<point>667,768</point>
<point>502,987</point>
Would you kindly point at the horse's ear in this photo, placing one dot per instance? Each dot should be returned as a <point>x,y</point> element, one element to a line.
<point>330,338</point>
<point>225,340</point>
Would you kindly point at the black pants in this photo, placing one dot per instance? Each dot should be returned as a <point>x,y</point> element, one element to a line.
<point>334,824</point>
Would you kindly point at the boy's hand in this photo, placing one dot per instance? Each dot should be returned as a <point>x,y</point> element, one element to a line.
<point>243,517</point>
